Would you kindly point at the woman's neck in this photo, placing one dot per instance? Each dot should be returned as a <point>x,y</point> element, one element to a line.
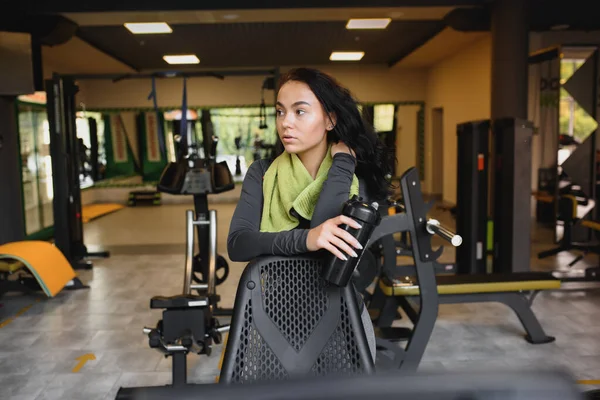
<point>313,158</point>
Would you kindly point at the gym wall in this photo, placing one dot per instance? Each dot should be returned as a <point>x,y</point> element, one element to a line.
<point>406,138</point>
<point>461,85</point>
<point>369,84</point>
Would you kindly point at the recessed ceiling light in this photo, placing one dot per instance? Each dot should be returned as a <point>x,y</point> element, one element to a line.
<point>182,59</point>
<point>230,16</point>
<point>144,28</point>
<point>560,27</point>
<point>346,55</point>
<point>368,23</point>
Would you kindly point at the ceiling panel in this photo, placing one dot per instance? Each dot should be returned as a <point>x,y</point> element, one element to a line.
<point>265,44</point>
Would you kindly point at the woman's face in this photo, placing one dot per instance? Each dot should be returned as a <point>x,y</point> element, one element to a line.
<point>302,123</point>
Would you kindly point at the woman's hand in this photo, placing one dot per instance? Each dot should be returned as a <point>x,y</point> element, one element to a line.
<point>331,237</point>
<point>341,147</point>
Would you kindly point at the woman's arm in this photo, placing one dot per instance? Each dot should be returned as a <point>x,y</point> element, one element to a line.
<point>245,241</point>
<point>336,189</point>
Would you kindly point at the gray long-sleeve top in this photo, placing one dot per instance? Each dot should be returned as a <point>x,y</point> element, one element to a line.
<point>245,241</point>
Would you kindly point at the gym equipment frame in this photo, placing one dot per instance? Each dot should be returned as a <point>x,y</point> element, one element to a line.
<point>68,225</point>
<point>391,355</point>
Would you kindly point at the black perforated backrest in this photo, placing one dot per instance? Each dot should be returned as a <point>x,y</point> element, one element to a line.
<point>289,322</point>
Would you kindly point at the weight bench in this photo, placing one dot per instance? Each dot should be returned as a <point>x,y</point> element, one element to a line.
<point>516,290</point>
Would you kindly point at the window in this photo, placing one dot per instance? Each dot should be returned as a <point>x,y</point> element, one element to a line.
<point>36,167</point>
<point>244,127</point>
<point>574,120</point>
<point>575,123</point>
<point>383,117</point>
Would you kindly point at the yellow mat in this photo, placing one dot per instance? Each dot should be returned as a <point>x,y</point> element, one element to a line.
<point>45,261</point>
<point>93,211</point>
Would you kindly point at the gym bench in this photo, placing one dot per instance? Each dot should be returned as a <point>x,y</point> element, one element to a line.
<point>33,265</point>
<point>517,291</point>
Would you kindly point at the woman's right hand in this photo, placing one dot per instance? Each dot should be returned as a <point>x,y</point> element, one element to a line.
<point>331,237</point>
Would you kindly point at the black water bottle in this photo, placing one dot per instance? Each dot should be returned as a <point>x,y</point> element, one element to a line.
<point>336,270</point>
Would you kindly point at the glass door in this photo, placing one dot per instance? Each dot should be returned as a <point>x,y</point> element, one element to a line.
<point>36,167</point>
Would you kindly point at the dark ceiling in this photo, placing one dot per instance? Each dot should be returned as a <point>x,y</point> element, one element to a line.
<point>272,44</point>
<point>260,44</point>
<point>64,6</point>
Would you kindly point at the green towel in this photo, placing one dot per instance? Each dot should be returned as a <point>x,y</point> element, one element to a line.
<point>287,185</point>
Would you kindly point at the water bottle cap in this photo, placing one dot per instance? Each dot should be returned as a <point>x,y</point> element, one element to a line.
<point>357,209</point>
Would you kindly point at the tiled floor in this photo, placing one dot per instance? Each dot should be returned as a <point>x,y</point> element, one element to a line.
<point>39,349</point>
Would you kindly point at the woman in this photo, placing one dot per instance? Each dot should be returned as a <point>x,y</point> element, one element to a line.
<point>292,205</point>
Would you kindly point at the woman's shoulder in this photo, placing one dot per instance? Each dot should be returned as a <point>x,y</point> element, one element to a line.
<point>259,167</point>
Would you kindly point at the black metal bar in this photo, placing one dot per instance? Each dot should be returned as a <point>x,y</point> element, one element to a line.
<point>73,162</point>
<point>94,148</point>
<point>516,301</point>
<point>389,225</point>
<point>593,156</point>
<point>222,312</point>
<point>410,311</point>
<point>428,311</point>
<point>516,385</point>
<point>511,195</point>
<point>179,369</point>
<point>12,214</point>
<point>60,181</point>
<point>68,224</point>
<point>201,211</point>
<point>354,316</point>
<point>472,196</point>
<point>388,312</point>
<point>173,74</point>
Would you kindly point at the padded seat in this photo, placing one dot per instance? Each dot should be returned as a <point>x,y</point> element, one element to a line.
<point>178,301</point>
<point>289,322</point>
<point>477,283</point>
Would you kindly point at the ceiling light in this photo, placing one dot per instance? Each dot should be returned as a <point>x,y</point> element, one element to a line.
<point>230,17</point>
<point>346,55</point>
<point>368,23</point>
<point>144,28</point>
<point>182,59</point>
<point>560,27</point>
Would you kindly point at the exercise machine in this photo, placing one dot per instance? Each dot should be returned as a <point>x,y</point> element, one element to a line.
<point>318,330</point>
<point>200,176</point>
<point>516,289</point>
<point>189,323</point>
<point>64,149</point>
<point>494,186</point>
<point>471,284</point>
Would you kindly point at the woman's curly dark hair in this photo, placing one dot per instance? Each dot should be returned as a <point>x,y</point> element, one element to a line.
<point>373,158</point>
